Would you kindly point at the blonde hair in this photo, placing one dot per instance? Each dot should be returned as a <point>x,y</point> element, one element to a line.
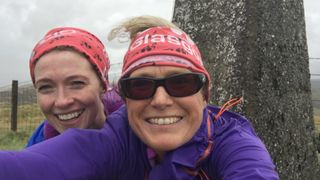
<point>137,24</point>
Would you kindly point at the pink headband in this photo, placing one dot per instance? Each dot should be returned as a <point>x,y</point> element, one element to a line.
<point>78,39</point>
<point>163,46</point>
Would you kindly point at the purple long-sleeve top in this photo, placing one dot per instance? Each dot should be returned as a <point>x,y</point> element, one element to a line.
<point>227,149</point>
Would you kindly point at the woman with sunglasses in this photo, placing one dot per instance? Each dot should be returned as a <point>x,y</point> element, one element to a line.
<point>166,89</point>
<point>166,130</point>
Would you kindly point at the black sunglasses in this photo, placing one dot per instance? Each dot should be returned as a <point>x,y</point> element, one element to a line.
<point>180,85</point>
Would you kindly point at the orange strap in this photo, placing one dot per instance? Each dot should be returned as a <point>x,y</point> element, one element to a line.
<point>227,106</point>
<point>210,145</point>
<point>204,174</point>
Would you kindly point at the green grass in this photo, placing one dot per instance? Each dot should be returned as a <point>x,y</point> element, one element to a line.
<point>316,116</point>
<point>13,140</point>
<point>29,117</point>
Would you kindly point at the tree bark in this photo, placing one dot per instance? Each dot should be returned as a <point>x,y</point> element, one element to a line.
<point>258,50</point>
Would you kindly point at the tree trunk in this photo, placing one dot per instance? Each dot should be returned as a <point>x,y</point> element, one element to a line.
<point>257,49</point>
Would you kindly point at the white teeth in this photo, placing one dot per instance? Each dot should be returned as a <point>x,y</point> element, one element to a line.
<point>66,117</point>
<point>164,121</point>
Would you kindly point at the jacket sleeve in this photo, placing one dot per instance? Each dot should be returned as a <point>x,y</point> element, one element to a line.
<point>240,154</point>
<point>76,154</point>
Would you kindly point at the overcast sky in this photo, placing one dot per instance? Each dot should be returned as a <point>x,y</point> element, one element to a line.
<point>23,23</point>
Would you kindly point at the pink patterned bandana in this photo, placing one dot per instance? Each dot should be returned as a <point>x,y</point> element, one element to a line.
<point>80,40</point>
<point>163,46</point>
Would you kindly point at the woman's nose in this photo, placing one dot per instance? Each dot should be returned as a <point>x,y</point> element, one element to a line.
<point>161,98</point>
<point>63,99</point>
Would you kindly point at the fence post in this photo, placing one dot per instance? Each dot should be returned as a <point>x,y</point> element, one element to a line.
<point>14,105</point>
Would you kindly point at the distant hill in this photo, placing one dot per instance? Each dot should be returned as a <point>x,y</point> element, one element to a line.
<point>315,84</point>
<point>26,95</point>
<point>315,89</point>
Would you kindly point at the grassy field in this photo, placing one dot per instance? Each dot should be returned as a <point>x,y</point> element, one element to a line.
<point>29,117</point>
<point>315,89</point>
<point>317,121</point>
<point>13,140</point>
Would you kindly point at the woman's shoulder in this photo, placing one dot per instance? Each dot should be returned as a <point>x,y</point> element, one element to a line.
<point>231,121</point>
<point>117,125</point>
<point>237,148</point>
<point>118,119</point>
<point>37,136</point>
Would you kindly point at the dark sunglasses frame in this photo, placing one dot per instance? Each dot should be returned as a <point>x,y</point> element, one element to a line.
<point>199,80</point>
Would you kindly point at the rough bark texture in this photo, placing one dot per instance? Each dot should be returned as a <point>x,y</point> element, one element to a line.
<point>257,49</point>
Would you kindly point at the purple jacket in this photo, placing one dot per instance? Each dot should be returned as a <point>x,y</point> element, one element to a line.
<point>228,149</point>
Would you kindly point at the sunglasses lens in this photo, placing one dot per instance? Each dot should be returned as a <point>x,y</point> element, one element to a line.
<point>177,86</point>
<point>138,88</point>
<point>183,85</point>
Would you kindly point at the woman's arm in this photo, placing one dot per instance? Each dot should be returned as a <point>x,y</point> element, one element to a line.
<point>76,154</point>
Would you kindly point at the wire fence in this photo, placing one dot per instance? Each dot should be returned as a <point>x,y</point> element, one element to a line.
<point>18,109</point>
<point>27,115</point>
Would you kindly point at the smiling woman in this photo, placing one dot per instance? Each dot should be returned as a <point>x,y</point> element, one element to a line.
<point>69,91</point>
<point>167,130</point>
<point>167,89</point>
<point>69,69</point>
